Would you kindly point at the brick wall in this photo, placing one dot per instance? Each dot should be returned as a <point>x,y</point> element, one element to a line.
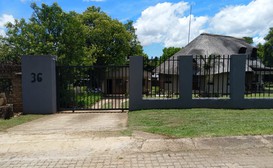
<point>14,95</point>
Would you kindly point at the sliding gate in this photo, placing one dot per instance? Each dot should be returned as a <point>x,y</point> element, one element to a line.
<point>92,87</point>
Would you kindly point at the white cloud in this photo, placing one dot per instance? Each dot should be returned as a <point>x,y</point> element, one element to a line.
<point>4,19</point>
<point>2,32</point>
<point>258,40</point>
<point>166,23</point>
<point>253,19</point>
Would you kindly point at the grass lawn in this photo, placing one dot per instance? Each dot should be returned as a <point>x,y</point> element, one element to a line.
<point>5,124</point>
<point>87,100</point>
<point>202,122</point>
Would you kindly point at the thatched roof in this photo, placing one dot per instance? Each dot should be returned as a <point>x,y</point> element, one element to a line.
<point>219,45</point>
<point>210,44</point>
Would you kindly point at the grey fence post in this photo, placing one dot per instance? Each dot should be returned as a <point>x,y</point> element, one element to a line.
<point>185,78</point>
<point>135,82</point>
<point>39,84</point>
<point>237,79</point>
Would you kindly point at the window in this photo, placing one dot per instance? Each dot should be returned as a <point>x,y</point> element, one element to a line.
<point>242,50</point>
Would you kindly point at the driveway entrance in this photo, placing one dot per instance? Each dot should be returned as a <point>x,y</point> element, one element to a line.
<point>71,140</point>
<point>76,122</point>
<point>92,88</point>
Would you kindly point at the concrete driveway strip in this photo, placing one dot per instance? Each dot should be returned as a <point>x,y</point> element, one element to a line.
<point>92,140</point>
<point>75,122</point>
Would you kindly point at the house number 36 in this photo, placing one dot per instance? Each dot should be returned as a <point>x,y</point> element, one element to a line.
<point>36,77</point>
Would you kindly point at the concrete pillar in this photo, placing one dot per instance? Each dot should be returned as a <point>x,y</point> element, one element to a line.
<point>135,85</point>
<point>185,78</point>
<point>237,78</point>
<point>39,84</point>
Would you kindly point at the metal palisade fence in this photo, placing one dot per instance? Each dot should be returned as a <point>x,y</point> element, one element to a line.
<point>160,79</point>
<point>259,79</point>
<point>210,78</point>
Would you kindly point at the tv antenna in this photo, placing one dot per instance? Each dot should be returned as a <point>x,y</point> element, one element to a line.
<point>189,34</point>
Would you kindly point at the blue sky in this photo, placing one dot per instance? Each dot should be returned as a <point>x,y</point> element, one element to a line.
<point>162,23</point>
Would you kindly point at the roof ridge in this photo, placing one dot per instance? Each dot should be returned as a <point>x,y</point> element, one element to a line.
<point>219,35</point>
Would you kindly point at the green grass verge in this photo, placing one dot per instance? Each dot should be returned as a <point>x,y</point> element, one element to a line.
<point>202,122</point>
<point>5,124</point>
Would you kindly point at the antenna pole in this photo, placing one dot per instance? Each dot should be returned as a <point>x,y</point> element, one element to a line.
<point>189,35</point>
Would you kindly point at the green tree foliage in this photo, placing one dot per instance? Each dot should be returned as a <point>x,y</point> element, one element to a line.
<point>77,39</point>
<point>249,40</point>
<point>265,51</point>
<point>5,57</point>
<point>154,62</point>
<point>268,48</point>
<point>260,51</point>
<point>168,52</point>
<point>135,47</point>
<point>50,31</point>
<point>151,64</point>
<point>107,37</point>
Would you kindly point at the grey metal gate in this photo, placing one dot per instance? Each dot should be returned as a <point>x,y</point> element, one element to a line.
<point>92,87</point>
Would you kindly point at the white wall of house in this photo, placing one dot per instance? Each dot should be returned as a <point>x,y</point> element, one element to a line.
<point>218,83</point>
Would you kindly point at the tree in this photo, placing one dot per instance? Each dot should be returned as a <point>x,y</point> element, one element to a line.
<point>168,52</point>
<point>50,31</point>
<point>77,39</point>
<point>249,40</point>
<point>265,51</point>
<point>260,51</point>
<point>135,47</point>
<point>4,53</point>
<point>268,48</point>
<point>108,38</point>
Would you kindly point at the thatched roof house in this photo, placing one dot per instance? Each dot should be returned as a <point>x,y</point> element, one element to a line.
<point>219,45</point>
<point>211,64</point>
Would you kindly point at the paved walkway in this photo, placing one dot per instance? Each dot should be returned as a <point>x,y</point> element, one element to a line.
<point>87,141</point>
